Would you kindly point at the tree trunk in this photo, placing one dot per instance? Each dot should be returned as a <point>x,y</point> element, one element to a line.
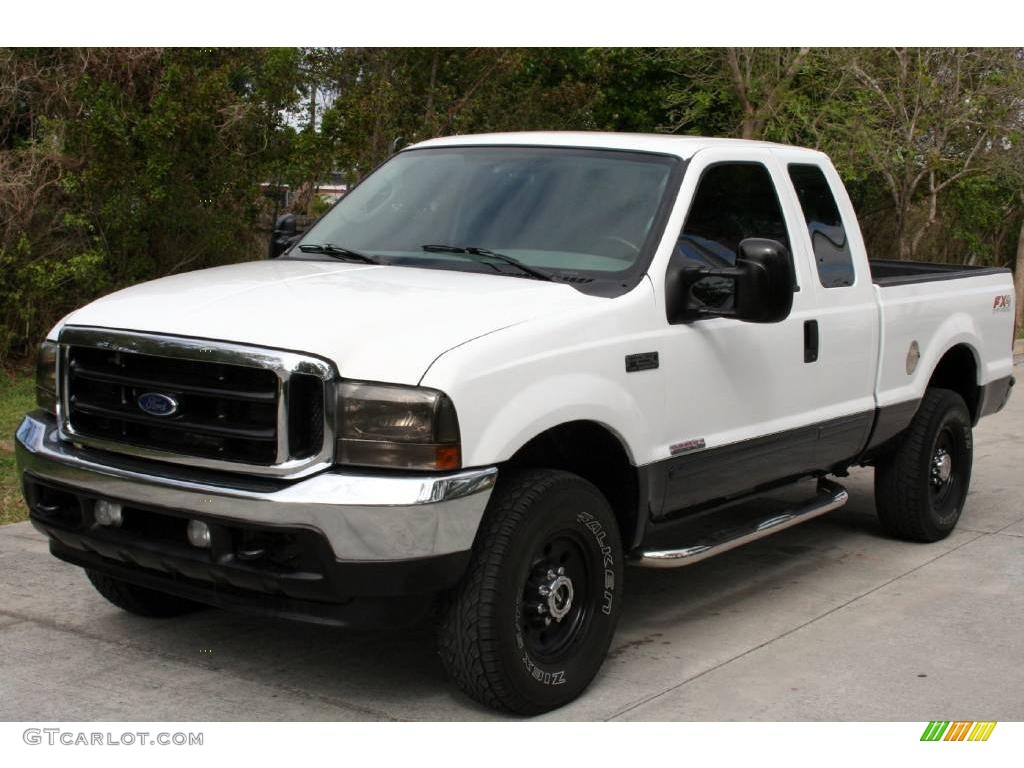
<point>429,119</point>
<point>748,129</point>
<point>902,247</point>
<point>1018,279</point>
<point>312,107</point>
<point>933,215</point>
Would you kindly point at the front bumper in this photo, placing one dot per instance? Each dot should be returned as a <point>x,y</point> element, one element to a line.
<point>334,536</point>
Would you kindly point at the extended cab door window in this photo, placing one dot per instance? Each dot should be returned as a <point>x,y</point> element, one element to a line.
<point>824,224</point>
<point>733,201</point>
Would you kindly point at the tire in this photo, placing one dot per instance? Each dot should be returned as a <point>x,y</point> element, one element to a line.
<point>493,638</point>
<point>917,497</point>
<point>139,600</point>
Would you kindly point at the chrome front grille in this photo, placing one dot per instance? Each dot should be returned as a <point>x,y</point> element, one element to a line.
<point>191,401</point>
<point>222,411</point>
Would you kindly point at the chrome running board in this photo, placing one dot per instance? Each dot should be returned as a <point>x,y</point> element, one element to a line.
<point>830,496</point>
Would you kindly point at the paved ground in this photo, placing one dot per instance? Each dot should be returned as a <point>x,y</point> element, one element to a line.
<point>826,621</point>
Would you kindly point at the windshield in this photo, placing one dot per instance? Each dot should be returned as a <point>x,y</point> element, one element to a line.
<point>556,209</point>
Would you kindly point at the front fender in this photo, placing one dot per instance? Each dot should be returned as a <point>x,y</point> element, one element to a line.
<point>550,402</point>
<point>512,385</point>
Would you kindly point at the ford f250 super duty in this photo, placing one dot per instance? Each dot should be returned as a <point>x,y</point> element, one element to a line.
<point>497,372</point>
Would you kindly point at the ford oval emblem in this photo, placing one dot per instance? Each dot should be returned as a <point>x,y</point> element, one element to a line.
<point>157,404</point>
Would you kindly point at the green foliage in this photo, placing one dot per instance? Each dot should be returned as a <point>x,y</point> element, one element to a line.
<point>631,88</point>
<point>984,217</point>
<point>137,164</point>
<point>17,395</point>
<point>122,165</point>
<point>319,206</point>
<point>169,178</point>
<point>919,123</point>
<point>35,291</point>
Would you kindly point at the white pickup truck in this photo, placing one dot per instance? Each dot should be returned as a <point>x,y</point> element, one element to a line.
<point>497,372</point>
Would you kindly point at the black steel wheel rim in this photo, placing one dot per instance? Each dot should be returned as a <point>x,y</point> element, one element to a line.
<point>559,579</point>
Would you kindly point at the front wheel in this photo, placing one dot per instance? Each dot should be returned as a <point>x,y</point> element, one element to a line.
<point>920,488</point>
<point>530,623</point>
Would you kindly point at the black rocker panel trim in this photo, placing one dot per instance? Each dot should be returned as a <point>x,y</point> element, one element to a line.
<point>890,420</point>
<point>994,396</point>
<point>734,470</point>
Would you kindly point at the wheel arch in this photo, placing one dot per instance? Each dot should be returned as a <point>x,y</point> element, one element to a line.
<point>598,454</point>
<point>958,370</point>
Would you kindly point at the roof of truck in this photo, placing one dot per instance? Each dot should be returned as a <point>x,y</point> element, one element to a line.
<point>665,143</point>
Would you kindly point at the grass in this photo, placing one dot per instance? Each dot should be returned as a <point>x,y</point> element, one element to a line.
<point>17,396</point>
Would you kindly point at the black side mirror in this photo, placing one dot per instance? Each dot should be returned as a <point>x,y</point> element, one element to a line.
<point>286,229</point>
<point>764,289</point>
<point>763,283</point>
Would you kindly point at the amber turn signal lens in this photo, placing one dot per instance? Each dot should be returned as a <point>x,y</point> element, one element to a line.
<point>420,456</point>
<point>447,457</point>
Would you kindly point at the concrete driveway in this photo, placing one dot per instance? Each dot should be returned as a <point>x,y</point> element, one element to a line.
<point>825,621</point>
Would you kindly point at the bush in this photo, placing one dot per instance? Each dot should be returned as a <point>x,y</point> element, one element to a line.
<point>34,293</point>
<point>121,165</point>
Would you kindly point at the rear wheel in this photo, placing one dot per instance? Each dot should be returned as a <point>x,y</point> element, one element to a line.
<point>920,488</point>
<point>139,600</point>
<point>531,622</point>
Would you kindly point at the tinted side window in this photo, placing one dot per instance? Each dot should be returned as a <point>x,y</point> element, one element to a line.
<point>733,201</point>
<point>828,235</point>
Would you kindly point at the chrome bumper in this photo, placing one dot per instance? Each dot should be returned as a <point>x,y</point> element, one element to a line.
<point>364,517</point>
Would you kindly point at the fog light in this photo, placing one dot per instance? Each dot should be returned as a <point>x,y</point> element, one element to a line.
<point>107,513</point>
<point>198,534</point>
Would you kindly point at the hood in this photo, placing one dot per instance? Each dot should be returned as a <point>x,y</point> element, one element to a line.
<point>379,323</point>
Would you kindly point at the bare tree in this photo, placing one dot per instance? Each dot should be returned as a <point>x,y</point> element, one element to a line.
<point>756,80</point>
<point>927,118</point>
<point>760,78</point>
<point>1018,275</point>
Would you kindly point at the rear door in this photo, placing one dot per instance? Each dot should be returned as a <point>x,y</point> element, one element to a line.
<point>847,315</point>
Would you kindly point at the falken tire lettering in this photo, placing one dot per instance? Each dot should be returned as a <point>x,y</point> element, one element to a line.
<point>595,527</point>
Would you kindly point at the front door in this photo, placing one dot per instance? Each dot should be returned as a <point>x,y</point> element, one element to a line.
<point>744,401</point>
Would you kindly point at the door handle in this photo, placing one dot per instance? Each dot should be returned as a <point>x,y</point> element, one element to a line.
<point>810,341</point>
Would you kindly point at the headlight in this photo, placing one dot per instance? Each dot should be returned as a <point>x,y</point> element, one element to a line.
<point>384,425</point>
<point>46,376</point>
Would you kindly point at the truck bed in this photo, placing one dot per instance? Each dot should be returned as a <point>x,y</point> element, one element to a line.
<point>887,272</point>
<point>926,310</point>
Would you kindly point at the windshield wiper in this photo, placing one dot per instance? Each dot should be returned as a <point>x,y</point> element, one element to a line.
<point>338,252</point>
<point>472,250</point>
